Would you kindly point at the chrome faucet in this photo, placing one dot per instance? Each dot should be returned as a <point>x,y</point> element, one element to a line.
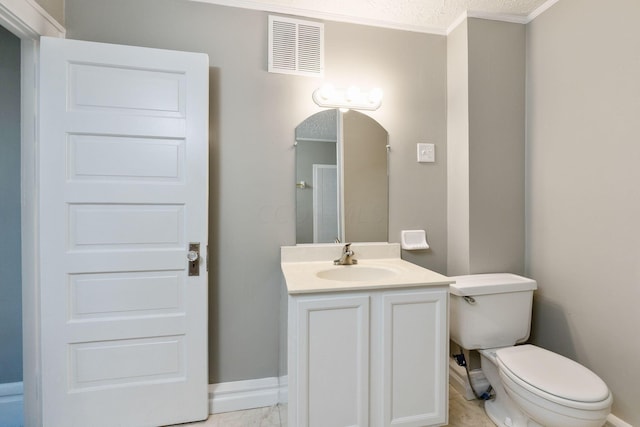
<point>347,256</point>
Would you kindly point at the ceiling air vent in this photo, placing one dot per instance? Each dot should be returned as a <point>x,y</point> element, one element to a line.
<point>296,46</point>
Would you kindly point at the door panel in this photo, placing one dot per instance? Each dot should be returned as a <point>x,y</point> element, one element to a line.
<point>126,89</point>
<point>123,191</point>
<point>86,154</point>
<point>333,362</point>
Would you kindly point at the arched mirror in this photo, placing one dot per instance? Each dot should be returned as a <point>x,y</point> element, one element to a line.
<point>342,190</point>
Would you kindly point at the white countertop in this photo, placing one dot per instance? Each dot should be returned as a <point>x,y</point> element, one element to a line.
<point>304,266</point>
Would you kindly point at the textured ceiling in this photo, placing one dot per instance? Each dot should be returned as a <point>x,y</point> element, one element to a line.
<point>417,15</point>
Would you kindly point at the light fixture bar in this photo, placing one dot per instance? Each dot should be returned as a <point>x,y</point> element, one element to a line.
<point>351,98</point>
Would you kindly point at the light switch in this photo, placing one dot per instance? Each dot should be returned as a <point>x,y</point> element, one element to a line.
<point>426,153</point>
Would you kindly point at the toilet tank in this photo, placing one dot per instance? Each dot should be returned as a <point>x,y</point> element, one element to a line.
<point>490,310</point>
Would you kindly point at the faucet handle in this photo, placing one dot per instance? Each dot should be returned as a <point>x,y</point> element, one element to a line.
<point>346,258</point>
<point>349,254</point>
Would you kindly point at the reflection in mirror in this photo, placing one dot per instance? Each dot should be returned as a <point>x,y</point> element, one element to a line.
<point>317,179</point>
<point>341,179</point>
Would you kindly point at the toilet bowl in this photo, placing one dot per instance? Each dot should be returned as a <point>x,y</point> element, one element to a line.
<point>533,387</point>
<point>552,390</point>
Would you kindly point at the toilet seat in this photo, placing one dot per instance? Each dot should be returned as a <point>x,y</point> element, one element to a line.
<point>553,378</point>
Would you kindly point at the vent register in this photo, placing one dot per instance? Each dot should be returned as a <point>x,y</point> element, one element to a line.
<point>296,47</point>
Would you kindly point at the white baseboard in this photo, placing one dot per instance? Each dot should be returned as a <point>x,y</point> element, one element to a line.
<point>224,397</point>
<point>11,404</point>
<point>613,421</point>
<point>241,395</point>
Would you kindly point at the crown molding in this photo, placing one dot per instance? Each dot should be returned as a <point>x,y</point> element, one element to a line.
<point>504,17</point>
<point>541,9</point>
<point>296,11</point>
<point>26,18</point>
<point>289,10</point>
<point>459,20</point>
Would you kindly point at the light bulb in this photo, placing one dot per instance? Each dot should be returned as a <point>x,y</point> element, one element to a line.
<point>353,92</point>
<point>375,96</point>
<point>327,91</point>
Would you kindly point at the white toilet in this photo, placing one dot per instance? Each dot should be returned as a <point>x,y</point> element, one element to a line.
<point>533,387</point>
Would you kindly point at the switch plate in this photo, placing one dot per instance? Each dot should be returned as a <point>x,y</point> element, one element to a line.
<point>426,153</point>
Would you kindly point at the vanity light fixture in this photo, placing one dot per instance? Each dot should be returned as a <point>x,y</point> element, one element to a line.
<point>345,99</point>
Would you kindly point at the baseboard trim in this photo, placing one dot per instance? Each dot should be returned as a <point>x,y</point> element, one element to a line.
<point>11,404</point>
<point>241,395</point>
<point>223,397</point>
<point>613,421</point>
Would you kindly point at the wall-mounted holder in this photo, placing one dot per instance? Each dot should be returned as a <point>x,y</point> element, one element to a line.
<point>413,240</point>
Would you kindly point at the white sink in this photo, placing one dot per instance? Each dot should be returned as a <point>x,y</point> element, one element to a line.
<point>356,273</point>
<point>310,269</point>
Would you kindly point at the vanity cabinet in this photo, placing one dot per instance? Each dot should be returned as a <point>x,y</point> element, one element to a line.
<point>369,358</point>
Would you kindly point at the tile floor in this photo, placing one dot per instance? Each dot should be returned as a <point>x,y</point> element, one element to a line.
<point>462,413</point>
<point>466,413</point>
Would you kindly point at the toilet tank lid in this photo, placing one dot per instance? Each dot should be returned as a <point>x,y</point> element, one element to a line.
<point>494,283</point>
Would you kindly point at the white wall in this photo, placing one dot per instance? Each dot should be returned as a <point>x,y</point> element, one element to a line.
<point>583,201</point>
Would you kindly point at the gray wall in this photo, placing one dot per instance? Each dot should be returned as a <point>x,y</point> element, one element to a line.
<point>10,259</point>
<point>55,8</point>
<point>496,146</point>
<point>253,117</point>
<point>458,150</point>
<point>583,204</point>
<point>582,153</point>
<point>366,191</point>
<point>411,69</point>
<point>487,147</point>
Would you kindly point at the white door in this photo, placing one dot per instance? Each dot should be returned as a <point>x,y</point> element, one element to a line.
<point>325,203</point>
<point>123,192</point>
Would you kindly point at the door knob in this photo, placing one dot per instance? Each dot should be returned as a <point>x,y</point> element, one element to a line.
<point>193,256</point>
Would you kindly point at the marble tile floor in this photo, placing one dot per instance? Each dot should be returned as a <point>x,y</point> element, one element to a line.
<point>462,413</point>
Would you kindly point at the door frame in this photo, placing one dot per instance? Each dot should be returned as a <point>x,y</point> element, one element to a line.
<point>28,21</point>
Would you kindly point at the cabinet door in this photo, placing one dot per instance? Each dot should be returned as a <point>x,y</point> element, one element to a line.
<point>414,365</point>
<point>332,362</point>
